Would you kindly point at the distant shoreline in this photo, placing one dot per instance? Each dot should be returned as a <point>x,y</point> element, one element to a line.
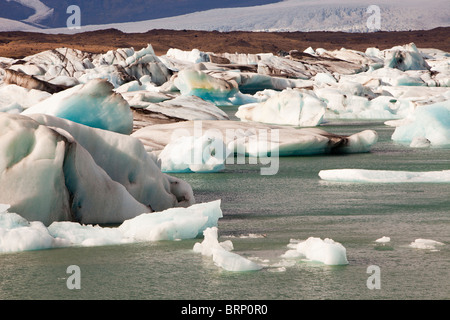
<point>18,44</point>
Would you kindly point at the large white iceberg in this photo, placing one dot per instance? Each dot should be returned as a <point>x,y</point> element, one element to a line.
<point>289,107</point>
<point>94,104</point>
<point>221,255</point>
<point>53,169</point>
<point>326,251</point>
<point>431,122</point>
<point>257,139</point>
<point>385,176</point>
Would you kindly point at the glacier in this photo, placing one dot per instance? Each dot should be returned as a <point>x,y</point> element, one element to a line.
<point>295,15</point>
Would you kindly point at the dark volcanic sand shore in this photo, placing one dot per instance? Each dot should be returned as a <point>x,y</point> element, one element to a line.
<point>21,44</point>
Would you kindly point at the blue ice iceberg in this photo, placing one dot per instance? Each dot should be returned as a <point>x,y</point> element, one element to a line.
<point>430,122</point>
<point>94,104</point>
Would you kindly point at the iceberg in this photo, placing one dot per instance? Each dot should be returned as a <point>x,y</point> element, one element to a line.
<point>173,223</point>
<point>385,176</point>
<point>427,244</point>
<point>405,58</point>
<point>147,105</point>
<point>326,251</point>
<point>15,99</point>
<point>289,107</point>
<point>221,255</point>
<point>194,154</point>
<point>53,169</point>
<point>430,122</point>
<point>18,234</point>
<point>193,56</point>
<point>126,161</point>
<point>94,104</point>
<point>133,65</point>
<point>383,239</point>
<point>256,139</point>
<point>216,90</point>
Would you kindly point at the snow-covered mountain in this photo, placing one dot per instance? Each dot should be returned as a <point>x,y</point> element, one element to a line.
<point>287,15</point>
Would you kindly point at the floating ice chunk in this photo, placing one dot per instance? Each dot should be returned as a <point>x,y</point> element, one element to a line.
<point>249,82</point>
<point>283,67</point>
<point>385,176</point>
<point>194,154</point>
<point>145,62</point>
<point>200,84</point>
<point>326,251</point>
<point>93,104</point>
<point>173,223</point>
<point>17,234</point>
<point>426,244</point>
<point>431,122</point>
<point>229,261</point>
<point>324,78</point>
<point>420,142</point>
<point>405,58</point>
<point>193,56</point>
<point>256,139</point>
<point>76,234</point>
<point>143,84</point>
<point>19,98</point>
<point>383,239</point>
<point>220,89</point>
<point>289,107</point>
<point>180,108</point>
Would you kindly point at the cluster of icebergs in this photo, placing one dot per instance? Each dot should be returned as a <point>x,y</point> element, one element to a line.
<point>89,138</point>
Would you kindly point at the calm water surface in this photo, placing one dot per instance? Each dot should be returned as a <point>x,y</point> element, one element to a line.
<point>294,204</point>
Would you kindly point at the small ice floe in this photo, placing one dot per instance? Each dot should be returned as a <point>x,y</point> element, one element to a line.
<point>427,244</point>
<point>326,251</point>
<point>383,239</point>
<point>221,255</point>
<point>385,176</point>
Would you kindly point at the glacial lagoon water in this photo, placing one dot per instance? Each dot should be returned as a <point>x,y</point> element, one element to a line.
<point>261,215</point>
